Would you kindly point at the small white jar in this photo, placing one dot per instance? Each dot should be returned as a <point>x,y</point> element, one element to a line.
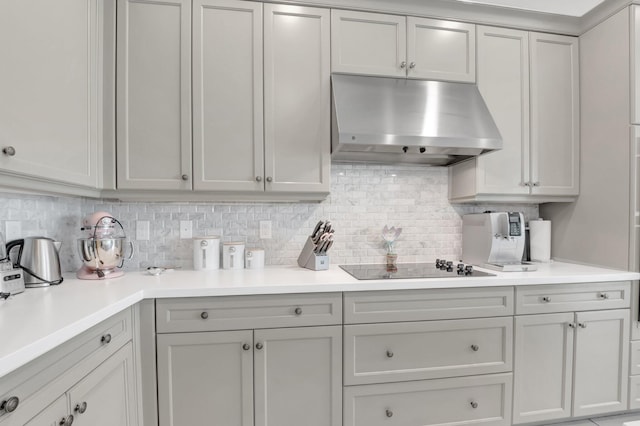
<point>254,258</point>
<point>233,255</point>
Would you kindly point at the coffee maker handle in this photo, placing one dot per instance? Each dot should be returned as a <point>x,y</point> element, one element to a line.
<point>12,244</point>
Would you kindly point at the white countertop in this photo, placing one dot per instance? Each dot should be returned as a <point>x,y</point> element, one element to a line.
<point>38,320</point>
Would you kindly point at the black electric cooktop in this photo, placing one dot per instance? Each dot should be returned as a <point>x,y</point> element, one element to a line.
<point>413,270</point>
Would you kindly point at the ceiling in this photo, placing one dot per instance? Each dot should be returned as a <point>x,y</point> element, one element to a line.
<point>558,7</point>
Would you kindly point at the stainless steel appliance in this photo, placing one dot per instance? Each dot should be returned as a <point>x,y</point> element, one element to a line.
<point>441,269</point>
<point>388,120</point>
<point>39,259</point>
<point>495,240</point>
<point>102,250</point>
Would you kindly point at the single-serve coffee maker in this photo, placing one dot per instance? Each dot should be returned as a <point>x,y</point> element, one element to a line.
<point>495,240</point>
<point>11,278</point>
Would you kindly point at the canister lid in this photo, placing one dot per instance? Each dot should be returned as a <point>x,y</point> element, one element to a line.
<point>233,243</point>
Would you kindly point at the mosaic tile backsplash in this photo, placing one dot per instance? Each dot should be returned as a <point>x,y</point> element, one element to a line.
<point>363,199</point>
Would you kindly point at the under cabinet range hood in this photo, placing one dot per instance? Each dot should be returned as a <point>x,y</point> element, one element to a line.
<point>393,121</point>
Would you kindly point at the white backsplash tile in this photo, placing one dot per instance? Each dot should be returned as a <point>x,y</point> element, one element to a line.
<point>363,199</point>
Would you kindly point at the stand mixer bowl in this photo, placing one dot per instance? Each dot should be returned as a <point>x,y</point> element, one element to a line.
<point>102,255</point>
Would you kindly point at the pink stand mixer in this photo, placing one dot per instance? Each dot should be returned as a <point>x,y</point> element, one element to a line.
<point>102,249</point>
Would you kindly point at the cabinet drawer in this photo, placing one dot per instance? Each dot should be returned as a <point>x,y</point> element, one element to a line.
<point>572,297</point>
<point>417,305</point>
<point>65,365</point>
<point>484,400</point>
<point>380,353</point>
<point>244,312</point>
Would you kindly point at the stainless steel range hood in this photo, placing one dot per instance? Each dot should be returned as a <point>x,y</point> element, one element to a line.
<point>388,120</point>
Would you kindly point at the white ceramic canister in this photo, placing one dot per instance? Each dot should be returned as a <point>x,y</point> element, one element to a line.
<point>254,258</point>
<point>206,253</point>
<point>233,255</point>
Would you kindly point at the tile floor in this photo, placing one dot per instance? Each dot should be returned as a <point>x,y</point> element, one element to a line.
<point>618,420</point>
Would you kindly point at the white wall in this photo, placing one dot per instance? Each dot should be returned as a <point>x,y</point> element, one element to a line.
<point>363,199</point>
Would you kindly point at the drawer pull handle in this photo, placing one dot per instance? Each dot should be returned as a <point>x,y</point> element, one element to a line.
<point>582,324</point>
<point>546,299</point>
<point>603,296</point>
<point>246,346</point>
<point>298,311</point>
<point>10,405</point>
<point>81,408</point>
<point>389,354</point>
<point>259,346</point>
<point>475,348</point>
<point>389,413</point>
<point>106,339</point>
<point>474,404</point>
<point>204,315</point>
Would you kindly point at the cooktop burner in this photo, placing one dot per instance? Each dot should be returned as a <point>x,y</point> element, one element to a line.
<point>441,269</point>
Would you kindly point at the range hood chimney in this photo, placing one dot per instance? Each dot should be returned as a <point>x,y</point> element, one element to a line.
<point>395,121</point>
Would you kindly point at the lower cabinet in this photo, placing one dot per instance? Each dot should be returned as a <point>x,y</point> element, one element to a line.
<point>570,365</point>
<point>280,376</point>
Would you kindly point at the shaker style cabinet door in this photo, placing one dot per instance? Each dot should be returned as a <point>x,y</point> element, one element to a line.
<point>555,110</point>
<point>297,127</point>
<point>298,376</point>
<point>154,94</point>
<point>107,396</point>
<point>368,43</point>
<point>54,415</point>
<point>205,378</point>
<point>503,81</point>
<point>49,91</point>
<point>227,96</point>
<point>441,50</point>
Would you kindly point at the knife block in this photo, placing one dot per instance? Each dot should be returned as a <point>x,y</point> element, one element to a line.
<point>310,260</point>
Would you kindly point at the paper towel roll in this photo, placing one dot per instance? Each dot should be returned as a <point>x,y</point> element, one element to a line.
<point>540,240</point>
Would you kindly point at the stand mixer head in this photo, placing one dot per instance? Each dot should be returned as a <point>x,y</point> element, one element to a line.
<point>102,249</point>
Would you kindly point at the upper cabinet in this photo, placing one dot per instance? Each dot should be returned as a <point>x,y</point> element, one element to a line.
<point>261,87</point>
<point>154,94</point>
<point>530,84</point>
<point>397,46</point>
<point>51,95</point>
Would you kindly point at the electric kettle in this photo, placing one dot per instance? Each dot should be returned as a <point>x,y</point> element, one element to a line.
<point>39,259</point>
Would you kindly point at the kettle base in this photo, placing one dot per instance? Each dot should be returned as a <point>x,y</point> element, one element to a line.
<point>85,273</point>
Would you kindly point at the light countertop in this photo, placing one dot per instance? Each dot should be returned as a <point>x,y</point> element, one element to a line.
<point>38,320</point>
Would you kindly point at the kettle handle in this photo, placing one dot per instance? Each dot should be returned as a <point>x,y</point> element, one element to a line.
<point>12,244</point>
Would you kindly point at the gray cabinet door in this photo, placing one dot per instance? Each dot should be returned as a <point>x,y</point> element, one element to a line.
<point>298,376</point>
<point>543,367</point>
<point>49,90</point>
<point>227,96</point>
<point>296,99</point>
<point>205,378</point>
<point>601,362</point>
<point>107,396</point>
<point>154,94</point>
<point>53,415</point>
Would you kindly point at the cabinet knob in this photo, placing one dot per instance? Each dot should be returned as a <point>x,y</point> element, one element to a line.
<point>603,296</point>
<point>412,65</point>
<point>246,346</point>
<point>185,177</point>
<point>9,151</point>
<point>66,421</point>
<point>572,325</point>
<point>258,178</point>
<point>546,299</point>
<point>474,404</point>
<point>81,408</point>
<point>10,405</point>
<point>204,315</point>
<point>106,339</point>
<point>389,354</point>
<point>259,346</point>
<point>536,183</point>
<point>403,64</point>
<point>269,179</point>
<point>582,324</point>
<point>298,311</point>
<point>475,348</point>
<point>526,184</point>
<point>389,413</point>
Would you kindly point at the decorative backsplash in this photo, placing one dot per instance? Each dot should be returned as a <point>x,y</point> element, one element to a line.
<point>363,199</point>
